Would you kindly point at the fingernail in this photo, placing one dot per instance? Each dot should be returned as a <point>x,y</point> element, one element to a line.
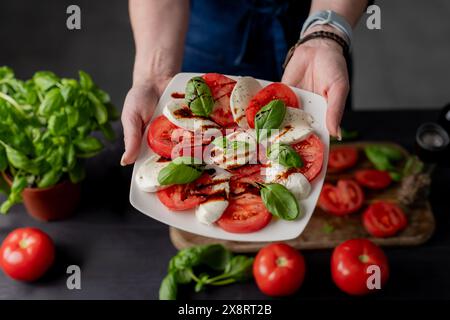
<point>339,134</point>
<point>122,161</point>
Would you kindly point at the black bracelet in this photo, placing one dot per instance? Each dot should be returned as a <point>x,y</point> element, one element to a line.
<point>315,35</point>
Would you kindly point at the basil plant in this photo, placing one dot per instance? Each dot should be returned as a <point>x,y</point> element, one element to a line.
<point>46,126</point>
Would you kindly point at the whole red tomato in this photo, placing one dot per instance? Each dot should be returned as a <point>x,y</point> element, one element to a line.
<point>279,269</point>
<point>350,262</point>
<point>26,254</point>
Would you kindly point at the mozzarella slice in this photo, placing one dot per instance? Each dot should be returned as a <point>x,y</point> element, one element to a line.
<point>295,182</point>
<point>296,126</point>
<point>237,149</point>
<point>244,90</point>
<point>212,209</point>
<point>181,116</point>
<point>147,174</point>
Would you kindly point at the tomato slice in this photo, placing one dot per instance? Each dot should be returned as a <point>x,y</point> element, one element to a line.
<point>373,179</point>
<point>245,213</point>
<point>179,197</point>
<point>311,152</point>
<point>243,178</point>
<point>159,136</point>
<point>384,219</point>
<point>221,88</point>
<point>342,158</point>
<point>344,198</point>
<point>273,91</point>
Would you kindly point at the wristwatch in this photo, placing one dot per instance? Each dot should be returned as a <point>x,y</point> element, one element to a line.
<point>330,18</point>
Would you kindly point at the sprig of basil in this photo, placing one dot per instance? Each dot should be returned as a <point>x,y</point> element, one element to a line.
<point>285,155</point>
<point>384,157</point>
<point>269,117</point>
<point>279,201</point>
<point>198,97</point>
<point>180,171</point>
<point>211,259</point>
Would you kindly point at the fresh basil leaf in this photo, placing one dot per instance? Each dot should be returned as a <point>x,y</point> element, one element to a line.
<point>239,268</point>
<point>215,256</point>
<point>15,195</point>
<point>108,131</point>
<point>57,124</point>
<point>88,144</point>
<point>100,111</point>
<point>395,175</point>
<point>45,80</point>
<point>198,97</point>
<point>280,201</point>
<point>102,95</point>
<point>269,117</point>
<point>202,281</point>
<point>50,178</point>
<point>285,155</point>
<point>412,166</point>
<point>178,174</point>
<point>53,101</point>
<point>85,80</point>
<point>183,276</point>
<point>77,173</point>
<point>168,289</point>
<point>18,159</point>
<point>378,159</point>
<point>70,157</point>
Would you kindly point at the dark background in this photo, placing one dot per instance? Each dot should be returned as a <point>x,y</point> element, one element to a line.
<point>124,254</point>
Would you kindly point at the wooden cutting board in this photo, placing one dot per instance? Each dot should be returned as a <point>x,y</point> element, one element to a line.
<point>326,231</point>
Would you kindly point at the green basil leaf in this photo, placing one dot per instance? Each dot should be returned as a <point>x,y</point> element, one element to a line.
<point>45,80</point>
<point>178,174</point>
<point>52,102</point>
<point>71,157</point>
<point>6,73</point>
<point>378,158</point>
<point>395,175</point>
<point>198,97</point>
<point>108,131</point>
<point>15,195</point>
<point>100,111</point>
<point>412,166</point>
<point>57,124</point>
<point>18,159</point>
<point>85,80</point>
<point>168,289</point>
<point>269,117</point>
<point>215,256</point>
<point>183,276</point>
<point>239,268</point>
<point>50,178</point>
<point>280,201</point>
<point>89,144</point>
<point>285,155</point>
<point>77,173</point>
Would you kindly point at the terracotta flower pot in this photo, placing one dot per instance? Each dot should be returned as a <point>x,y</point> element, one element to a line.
<point>53,203</point>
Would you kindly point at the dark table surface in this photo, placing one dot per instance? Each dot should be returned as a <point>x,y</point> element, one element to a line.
<point>123,254</point>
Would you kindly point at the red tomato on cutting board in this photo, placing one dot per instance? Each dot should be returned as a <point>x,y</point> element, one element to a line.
<point>342,158</point>
<point>271,92</point>
<point>279,269</point>
<point>344,198</point>
<point>384,219</point>
<point>373,179</point>
<point>350,262</point>
<point>26,254</point>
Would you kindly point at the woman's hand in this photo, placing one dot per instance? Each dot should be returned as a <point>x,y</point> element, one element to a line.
<point>319,66</point>
<point>138,108</point>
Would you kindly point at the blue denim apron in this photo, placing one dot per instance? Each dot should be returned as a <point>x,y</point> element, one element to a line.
<point>242,37</point>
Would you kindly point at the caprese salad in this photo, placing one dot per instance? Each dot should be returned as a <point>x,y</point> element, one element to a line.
<point>236,152</point>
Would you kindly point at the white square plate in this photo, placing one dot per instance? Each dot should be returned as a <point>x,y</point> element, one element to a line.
<point>277,230</point>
